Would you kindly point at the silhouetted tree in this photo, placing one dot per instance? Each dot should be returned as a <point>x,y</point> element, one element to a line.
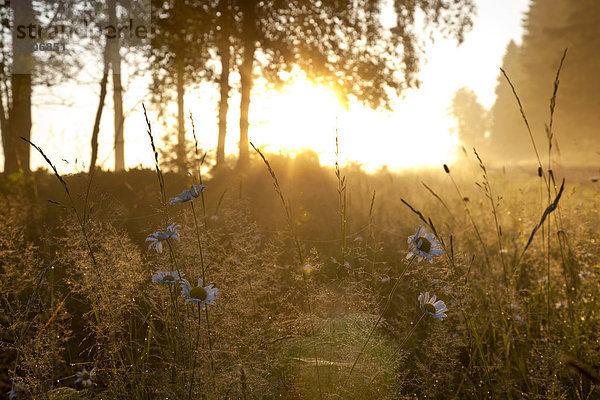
<point>472,119</point>
<point>507,127</point>
<point>342,44</point>
<point>550,27</point>
<point>17,101</point>
<point>224,24</point>
<point>179,55</point>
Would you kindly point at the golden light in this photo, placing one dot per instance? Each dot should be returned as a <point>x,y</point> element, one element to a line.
<point>304,116</point>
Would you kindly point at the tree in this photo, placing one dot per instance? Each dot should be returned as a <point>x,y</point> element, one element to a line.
<point>471,117</point>
<point>179,55</point>
<point>551,26</point>
<point>341,44</point>
<point>507,128</point>
<point>18,100</point>
<point>223,24</point>
<point>114,58</point>
<point>33,23</point>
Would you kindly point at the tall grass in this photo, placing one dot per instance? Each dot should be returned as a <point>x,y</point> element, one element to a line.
<point>521,320</point>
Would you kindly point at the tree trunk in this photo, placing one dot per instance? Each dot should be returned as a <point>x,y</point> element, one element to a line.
<point>181,164</point>
<point>115,61</point>
<point>225,54</point>
<point>6,137</point>
<point>17,159</point>
<point>246,83</point>
<point>96,128</point>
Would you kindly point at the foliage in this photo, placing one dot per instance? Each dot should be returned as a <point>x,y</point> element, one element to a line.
<point>550,28</point>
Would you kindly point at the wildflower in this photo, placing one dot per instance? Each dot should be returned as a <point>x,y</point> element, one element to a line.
<point>423,244</point>
<point>84,377</point>
<point>166,277</point>
<point>584,274</point>
<point>189,195</point>
<point>519,318</point>
<point>199,294</point>
<point>429,306</point>
<point>157,238</point>
<point>385,279</point>
<point>560,304</point>
<point>18,387</point>
<point>308,268</point>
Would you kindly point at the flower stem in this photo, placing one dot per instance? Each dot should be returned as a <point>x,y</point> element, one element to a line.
<point>173,259</point>
<point>399,347</point>
<point>199,244</point>
<point>385,308</point>
<point>174,339</point>
<point>205,283</point>
<point>195,354</point>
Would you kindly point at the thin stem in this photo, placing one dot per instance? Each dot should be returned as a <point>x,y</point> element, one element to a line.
<point>174,259</point>
<point>174,341</point>
<point>210,349</point>
<point>342,197</point>
<point>398,348</point>
<point>479,349</point>
<point>485,254</point>
<point>385,308</point>
<point>191,385</point>
<point>205,283</point>
<point>199,244</point>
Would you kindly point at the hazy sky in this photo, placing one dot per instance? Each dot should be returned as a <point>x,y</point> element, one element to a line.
<point>302,116</point>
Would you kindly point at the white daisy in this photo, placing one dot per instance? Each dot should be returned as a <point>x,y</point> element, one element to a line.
<point>84,377</point>
<point>429,306</point>
<point>157,238</point>
<point>199,294</point>
<point>167,277</point>
<point>189,195</point>
<point>423,244</point>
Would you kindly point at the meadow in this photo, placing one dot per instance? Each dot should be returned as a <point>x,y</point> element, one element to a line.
<point>322,275</point>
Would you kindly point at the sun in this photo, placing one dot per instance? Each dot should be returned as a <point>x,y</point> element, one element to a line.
<point>303,116</point>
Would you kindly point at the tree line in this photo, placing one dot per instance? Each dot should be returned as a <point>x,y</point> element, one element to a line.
<point>550,28</point>
<point>343,44</point>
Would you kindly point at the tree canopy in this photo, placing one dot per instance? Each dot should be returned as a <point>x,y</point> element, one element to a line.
<point>551,26</point>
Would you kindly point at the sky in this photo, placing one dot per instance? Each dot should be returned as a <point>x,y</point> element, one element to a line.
<point>418,132</point>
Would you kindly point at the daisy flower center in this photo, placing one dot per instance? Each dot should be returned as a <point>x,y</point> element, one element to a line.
<point>429,308</point>
<point>425,245</point>
<point>198,293</point>
<point>168,278</point>
<point>85,376</point>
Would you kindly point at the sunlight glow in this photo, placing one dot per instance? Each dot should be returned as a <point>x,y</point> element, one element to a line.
<point>418,133</point>
<point>305,116</point>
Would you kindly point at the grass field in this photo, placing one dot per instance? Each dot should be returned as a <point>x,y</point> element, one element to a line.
<point>316,295</point>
